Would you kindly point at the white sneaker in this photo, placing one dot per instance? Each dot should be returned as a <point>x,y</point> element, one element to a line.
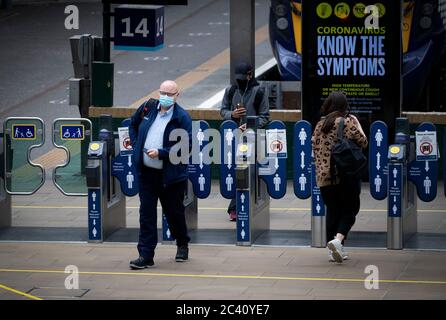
<point>330,255</point>
<point>336,250</point>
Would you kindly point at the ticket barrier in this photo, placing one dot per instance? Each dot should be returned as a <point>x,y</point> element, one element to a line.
<point>252,198</point>
<point>305,181</point>
<point>106,202</point>
<point>401,198</point>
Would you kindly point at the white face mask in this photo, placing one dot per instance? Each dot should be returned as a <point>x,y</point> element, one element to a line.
<point>166,101</point>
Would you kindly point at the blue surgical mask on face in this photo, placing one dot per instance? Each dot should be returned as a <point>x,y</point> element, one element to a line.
<point>166,101</point>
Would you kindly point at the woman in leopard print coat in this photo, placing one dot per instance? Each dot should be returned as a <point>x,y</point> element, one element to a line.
<point>341,197</point>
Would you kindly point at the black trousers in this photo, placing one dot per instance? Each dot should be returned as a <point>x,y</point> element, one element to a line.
<point>232,205</point>
<point>342,202</point>
<point>171,197</point>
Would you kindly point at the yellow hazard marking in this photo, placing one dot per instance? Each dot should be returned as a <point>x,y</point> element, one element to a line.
<point>297,26</point>
<point>19,292</point>
<point>218,276</point>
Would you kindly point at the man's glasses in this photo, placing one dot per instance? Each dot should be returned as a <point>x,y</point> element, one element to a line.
<point>169,94</point>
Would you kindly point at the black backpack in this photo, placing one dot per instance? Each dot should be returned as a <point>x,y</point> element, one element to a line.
<point>347,157</point>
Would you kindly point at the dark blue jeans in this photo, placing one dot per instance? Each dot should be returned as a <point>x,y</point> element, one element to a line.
<point>171,197</point>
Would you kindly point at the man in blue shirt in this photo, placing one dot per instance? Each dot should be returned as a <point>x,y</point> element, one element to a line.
<point>149,131</point>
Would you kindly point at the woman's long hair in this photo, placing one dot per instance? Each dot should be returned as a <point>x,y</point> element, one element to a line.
<point>334,106</point>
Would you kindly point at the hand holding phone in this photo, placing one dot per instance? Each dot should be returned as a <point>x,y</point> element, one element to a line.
<point>239,111</point>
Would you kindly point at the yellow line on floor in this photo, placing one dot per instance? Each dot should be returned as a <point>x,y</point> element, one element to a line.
<point>19,292</point>
<point>218,276</point>
<point>209,208</point>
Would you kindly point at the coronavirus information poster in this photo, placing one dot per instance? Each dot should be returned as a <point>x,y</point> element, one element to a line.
<point>346,49</point>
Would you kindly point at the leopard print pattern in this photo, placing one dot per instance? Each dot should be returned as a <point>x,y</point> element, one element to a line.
<point>323,143</point>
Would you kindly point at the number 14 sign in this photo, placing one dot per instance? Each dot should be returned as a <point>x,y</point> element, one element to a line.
<point>139,27</point>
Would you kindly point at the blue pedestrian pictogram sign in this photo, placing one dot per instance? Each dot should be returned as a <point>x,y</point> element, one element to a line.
<point>72,132</point>
<point>124,170</point>
<point>424,173</point>
<point>199,168</point>
<point>94,215</point>
<point>394,200</point>
<point>378,160</point>
<point>302,159</point>
<point>274,171</point>
<point>24,132</point>
<point>242,207</point>
<point>122,165</point>
<point>317,203</point>
<point>227,168</point>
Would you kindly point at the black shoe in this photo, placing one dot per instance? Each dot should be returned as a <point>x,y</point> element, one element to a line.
<point>182,253</point>
<point>141,263</point>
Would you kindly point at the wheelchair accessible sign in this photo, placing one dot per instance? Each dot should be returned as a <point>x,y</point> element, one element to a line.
<point>426,144</point>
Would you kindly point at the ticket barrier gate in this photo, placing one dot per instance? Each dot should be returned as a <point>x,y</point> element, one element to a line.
<point>401,198</point>
<point>106,202</point>
<point>402,205</point>
<point>391,168</point>
<point>252,198</point>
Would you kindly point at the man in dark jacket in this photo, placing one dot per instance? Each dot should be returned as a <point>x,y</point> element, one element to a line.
<point>160,179</point>
<point>247,98</point>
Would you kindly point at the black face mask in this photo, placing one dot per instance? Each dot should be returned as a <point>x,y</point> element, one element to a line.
<point>242,84</point>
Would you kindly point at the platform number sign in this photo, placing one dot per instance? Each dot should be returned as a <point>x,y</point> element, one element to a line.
<point>139,28</point>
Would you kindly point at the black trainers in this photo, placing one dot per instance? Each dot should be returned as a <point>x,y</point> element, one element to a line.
<point>141,263</point>
<point>182,253</point>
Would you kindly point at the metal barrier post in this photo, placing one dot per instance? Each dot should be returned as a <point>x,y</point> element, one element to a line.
<point>106,202</point>
<point>401,199</point>
<point>5,198</point>
<point>252,199</point>
<point>318,217</point>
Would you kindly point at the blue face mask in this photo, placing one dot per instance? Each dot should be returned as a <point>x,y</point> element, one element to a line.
<point>166,101</point>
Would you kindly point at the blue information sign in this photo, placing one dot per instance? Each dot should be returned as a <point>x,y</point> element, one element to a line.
<point>302,159</point>
<point>378,160</point>
<point>394,200</point>
<point>227,167</point>
<point>274,172</point>
<point>199,168</point>
<point>139,28</point>
<point>424,174</point>
<point>24,132</point>
<point>124,170</point>
<point>317,203</point>
<point>242,204</point>
<point>94,215</point>
<point>72,132</point>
